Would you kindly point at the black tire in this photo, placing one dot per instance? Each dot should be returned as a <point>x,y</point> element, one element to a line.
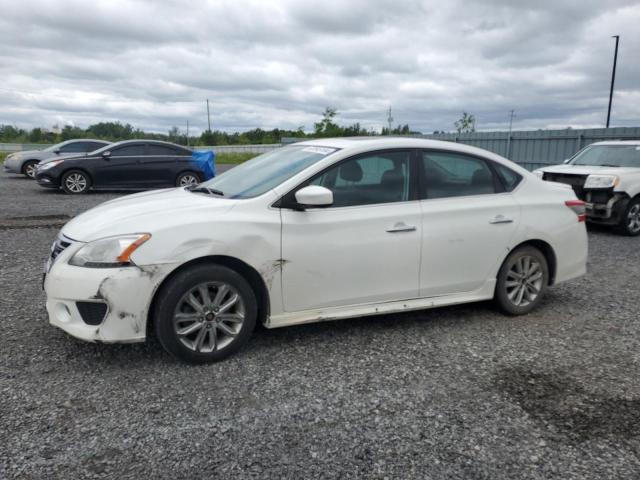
<point>75,182</point>
<point>181,180</point>
<point>630,221</point>
<point>171,301</point>
<point>29,168</point>
<point>508,282</point>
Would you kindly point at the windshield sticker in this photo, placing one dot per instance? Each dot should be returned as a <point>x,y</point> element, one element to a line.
<point>320,150</point>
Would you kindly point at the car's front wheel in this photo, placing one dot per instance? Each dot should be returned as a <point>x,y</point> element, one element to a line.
<point>205,313</point>
<point>522,281</point>
<point>630,222</point>
<point>29,168</point>
<point>75,182</point>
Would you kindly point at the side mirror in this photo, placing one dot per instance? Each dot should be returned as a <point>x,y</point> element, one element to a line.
<point>567,160</point>
<point>106,154</point>
<point>57,151</point>
<point>314,196</point>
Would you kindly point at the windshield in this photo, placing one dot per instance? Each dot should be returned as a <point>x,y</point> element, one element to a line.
<point>54,147</point>
<point>609,155</point>
<point>266,171</point>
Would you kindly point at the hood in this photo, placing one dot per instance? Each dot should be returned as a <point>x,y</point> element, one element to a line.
<point>588,170</point>
<point>55,157</point>
<point>146,212</point>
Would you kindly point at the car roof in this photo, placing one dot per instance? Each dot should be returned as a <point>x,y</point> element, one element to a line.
<point>66,142</point>
<point>618,142</point>
<point>384,142</point>
<point>150,142</point>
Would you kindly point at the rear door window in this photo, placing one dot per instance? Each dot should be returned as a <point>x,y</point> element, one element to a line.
<point>448,174</point>
<point>128,151</point>
<point>162,150</point>
<point>76,147</point>
<point>92,146</point>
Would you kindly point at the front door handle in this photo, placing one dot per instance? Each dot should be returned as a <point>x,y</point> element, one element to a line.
<point>401,227</point>
<point>498,219</point>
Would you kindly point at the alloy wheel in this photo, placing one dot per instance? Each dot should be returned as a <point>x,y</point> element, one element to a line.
<point>76,182</point>
<point>187,180</point>
<point>524,281</point>
<point>30,170</point>
<point>633,218</point>
<point>209,316</point>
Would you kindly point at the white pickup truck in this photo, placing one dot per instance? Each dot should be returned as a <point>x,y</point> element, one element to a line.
<point>605,175</point>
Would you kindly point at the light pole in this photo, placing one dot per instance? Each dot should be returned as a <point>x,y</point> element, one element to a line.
<point>613,77</point>
<point>511,115</point>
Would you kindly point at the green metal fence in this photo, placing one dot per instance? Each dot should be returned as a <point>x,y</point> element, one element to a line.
<point>538,148</point>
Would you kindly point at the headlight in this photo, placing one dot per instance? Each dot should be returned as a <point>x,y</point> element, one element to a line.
<point>109,252</point>
<point>538,173</point>
<point>601,181</point>
<point>48,165</point>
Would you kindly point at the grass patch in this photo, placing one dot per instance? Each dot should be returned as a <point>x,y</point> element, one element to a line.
<point>234,157</point>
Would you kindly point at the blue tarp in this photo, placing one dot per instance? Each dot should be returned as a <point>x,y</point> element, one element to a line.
<point>204,161</point>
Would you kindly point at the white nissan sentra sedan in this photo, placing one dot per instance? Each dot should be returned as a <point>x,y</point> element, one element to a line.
<point>320,230</point>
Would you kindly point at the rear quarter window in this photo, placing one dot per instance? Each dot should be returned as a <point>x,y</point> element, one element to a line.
<point>508,177</point>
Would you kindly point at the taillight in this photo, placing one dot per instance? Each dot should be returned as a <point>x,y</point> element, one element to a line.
<point>578,208</point>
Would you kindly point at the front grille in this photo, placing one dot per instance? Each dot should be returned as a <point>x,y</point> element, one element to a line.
<point>58,246</point>
<point>576,181</point>
<point>92,313</point>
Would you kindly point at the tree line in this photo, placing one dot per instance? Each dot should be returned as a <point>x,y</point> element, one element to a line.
<point>116,131</point>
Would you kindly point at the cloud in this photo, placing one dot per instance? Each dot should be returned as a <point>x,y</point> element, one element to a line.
<point>280,63</point>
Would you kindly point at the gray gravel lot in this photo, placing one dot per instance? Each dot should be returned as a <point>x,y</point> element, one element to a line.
<point>460,392</point>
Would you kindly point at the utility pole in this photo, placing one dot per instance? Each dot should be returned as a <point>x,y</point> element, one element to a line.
<point>187,133</point>
<point>208,115</point>
<point>511,115</point>
<point>613,77</point>
<point>389,120</point>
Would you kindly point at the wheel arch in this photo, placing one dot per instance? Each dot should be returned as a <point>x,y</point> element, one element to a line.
<point>547,251</point>
<point>250,274</point>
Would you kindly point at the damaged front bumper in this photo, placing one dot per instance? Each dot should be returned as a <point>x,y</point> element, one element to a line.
<point>605,206</point>
<point>121,297</point>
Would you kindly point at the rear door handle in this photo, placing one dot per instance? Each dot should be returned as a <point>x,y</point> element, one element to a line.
<point>498,219</point>
<point>401,227</point>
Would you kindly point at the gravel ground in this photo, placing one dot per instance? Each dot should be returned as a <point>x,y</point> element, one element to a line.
<point>460,392</point>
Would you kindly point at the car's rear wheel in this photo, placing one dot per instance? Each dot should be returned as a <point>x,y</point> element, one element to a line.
<point>205,313</point>
<point>630,222</point>
<point>187,178</point>
<point>29,168</point>
<point>522,281</point>
<point>75,182</point>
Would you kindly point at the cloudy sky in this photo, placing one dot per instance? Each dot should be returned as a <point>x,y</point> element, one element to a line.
<point>279,63</point>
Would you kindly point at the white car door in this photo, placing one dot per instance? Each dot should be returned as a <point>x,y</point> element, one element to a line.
<point>365,248</point>
<point>468,219</point>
